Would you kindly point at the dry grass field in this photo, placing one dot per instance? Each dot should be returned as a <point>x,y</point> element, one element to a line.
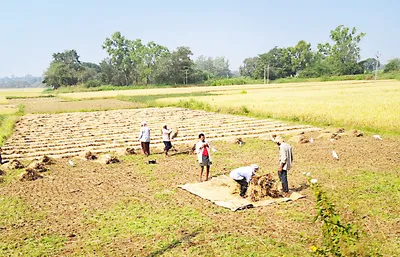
<point>133,208</point>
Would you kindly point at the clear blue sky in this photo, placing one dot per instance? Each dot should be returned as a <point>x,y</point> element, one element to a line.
<point>30,31</point>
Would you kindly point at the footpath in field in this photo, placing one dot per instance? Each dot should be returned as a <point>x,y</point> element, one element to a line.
<point>73,134</point>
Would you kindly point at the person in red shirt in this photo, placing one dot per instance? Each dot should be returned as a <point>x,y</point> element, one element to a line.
<point>203,155</point>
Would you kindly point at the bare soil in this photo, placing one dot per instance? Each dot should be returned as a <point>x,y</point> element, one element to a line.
<point>68,194</point>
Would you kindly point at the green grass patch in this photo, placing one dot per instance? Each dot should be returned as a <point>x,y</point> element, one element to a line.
<point>150,100</point>
<point>7,123</point>
<point>24,240</point>
<point>24,97</point>
<point>136,219</point>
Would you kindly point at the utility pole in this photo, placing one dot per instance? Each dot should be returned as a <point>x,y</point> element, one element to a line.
<point>268,74</point>
<point>264,73</point>
<point>376,65</point>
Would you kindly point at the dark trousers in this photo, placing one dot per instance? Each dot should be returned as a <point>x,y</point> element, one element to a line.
<point>243,186</point>
<point>167,145</point>
<point>145,148</point>
<point>283,178</point>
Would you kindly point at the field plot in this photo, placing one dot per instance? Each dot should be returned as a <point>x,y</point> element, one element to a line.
<point>72,134</point>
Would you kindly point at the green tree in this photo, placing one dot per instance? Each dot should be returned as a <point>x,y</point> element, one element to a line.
<point>152,53</point>
<point>249,67</point>
<point>64,69</point>
<point>369,64</point>
<point>344,54</point>
<point>59,74</point>
<point>301,56</point>
<point>118,48</point>
<point>393,65</point>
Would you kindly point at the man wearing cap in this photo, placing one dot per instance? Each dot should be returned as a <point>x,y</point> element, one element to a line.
<point>203,155</point>
<point>285,163</point>
<point>144,138</point>
<point>243,176</point>
<point>166,136</point>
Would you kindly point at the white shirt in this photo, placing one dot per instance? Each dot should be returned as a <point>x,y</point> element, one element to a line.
<point>242,173</point>
<point>200,149</point>
<point>144,134</point>
<point>285,155</point>
<point>165,134</point>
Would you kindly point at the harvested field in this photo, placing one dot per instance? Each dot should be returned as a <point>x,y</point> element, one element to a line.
<point>74,134</point>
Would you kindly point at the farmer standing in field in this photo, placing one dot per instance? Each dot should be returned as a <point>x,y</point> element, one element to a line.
<point>166,136</point>
<point>243,176</point>
<point>144,138</point>
<point>203,155</point>
<point>285,163</point>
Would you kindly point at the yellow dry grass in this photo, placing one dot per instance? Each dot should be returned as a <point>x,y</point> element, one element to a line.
<point>353,104</point>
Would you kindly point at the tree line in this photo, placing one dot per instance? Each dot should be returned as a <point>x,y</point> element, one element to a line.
<point>27,81</point>
<point>134,62</point>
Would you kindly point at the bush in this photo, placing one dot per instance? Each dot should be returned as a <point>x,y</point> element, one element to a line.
<point>92,83</point>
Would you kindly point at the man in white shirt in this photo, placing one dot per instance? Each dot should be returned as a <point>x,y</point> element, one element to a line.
<point>243,176</point>
<point>285,163</point>
<point>144,138</point>
<point>203,156</point>
<point>166,134</point>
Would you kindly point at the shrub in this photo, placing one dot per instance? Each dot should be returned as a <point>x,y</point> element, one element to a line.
<point>92,83</point>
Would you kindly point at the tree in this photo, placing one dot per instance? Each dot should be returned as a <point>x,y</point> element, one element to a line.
<point>152,53</point>
<point>176,67</point>
<point>393,65</point>
<point>118,48</point>
<point>344,54</point>
<point>249,67</point>
<point>64,69</point>
<point>69,58</point>
<point>213,68</point>
<point>369,65</point>
<point>59,74</point>
<point>301,56</point>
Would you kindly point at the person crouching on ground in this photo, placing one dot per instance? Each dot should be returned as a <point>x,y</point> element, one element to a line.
<point>203,155</point>
<point>243,176</point>
<point>285,163</point>
<point>166,136</point>
<point>144,138</point>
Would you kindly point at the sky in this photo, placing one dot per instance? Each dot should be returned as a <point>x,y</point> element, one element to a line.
<point>31,31</point>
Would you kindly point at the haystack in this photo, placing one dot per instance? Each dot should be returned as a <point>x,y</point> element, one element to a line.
<point>90,156</point>
<point>29,174</point>
<point>263,186</point>
<point>239,141</point>
<point>130,151</point>
<point>15,164</point>
<point>111,159</point>
<point>37,166</point>
<point>47,160</point>
<point>357,133</point>
<point>175,134</point>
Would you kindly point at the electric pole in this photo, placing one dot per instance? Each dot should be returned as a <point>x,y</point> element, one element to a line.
<point>264,73</point>
<point>376,65</point>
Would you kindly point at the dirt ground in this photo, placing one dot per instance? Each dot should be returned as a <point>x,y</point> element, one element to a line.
<point>67,195</point>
